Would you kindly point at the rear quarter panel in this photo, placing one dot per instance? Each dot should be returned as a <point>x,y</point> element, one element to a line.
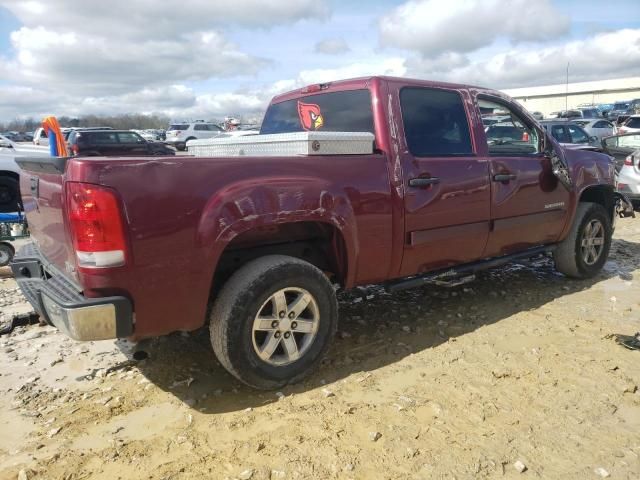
<point>181,212</point>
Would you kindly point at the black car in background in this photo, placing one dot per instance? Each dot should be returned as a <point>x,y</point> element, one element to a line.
<point>113,143</point>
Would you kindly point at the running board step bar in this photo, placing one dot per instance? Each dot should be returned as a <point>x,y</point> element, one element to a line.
<point>449,276</point>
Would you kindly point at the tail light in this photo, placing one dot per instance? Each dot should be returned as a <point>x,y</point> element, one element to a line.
<point>629,161</point>
<point>525,136</point>
<point>621,130</point>
<point>178,133</point>
<point>96,225</point>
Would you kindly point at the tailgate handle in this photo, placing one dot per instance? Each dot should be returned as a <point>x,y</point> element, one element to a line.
<point>423,182</point>
<point>504,177</point>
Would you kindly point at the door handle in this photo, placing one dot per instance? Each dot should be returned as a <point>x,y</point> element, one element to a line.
<point>504,177</point>
<point>423,181</point>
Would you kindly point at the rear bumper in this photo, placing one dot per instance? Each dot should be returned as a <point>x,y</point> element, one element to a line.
<point>61,303</point>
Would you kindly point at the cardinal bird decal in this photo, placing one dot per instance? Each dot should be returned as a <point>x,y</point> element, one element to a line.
<point>310,116</point>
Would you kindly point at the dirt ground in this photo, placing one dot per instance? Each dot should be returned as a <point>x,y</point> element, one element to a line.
<point>518,366</point>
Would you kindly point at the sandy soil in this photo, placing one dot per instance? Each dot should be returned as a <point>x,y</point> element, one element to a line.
<point>518,366</point>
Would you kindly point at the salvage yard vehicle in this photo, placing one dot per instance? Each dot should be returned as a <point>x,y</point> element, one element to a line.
<point>257,244</point>
<point>178,134</point>
<point>599,128</point>
<point>620,146</point>
<point>10,172</point>
<point>570,135</point>
<point>108,143</point>
<point>628,181</point>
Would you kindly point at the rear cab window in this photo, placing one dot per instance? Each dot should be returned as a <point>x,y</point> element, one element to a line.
<point>178,127</point>
<point>435,122</point>
<point>343,111</point>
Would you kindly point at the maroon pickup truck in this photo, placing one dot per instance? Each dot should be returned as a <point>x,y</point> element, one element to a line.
<point>256,246</point>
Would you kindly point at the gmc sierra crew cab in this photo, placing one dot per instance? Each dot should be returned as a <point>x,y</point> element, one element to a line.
<point>256,246</point>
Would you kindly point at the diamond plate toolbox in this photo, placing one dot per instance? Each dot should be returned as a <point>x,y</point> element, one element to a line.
<point>284,144</point>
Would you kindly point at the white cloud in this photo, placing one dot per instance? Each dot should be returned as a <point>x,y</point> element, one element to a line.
<point>92,65</point>
<point>332,46</point>
<point>147,18</point>
<point>106,48</point>
<point>432,28</point>
<point>604,55</point>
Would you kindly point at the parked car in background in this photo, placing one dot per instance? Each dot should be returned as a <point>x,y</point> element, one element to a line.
<point>40,137</point>
<point>148,135</point>
<point>537,115</point>
<point>628,180</point>
<point>620,146</point>
<point>10,172</point>
<point>570,135</point>
<point>85,143</point>
<point>604,109</point>
<point>631,125</point>
<point>597,127</point>
<point>619,108</point>
<point>590,112</point>
<point>569,114</point>
<point>178,134</point>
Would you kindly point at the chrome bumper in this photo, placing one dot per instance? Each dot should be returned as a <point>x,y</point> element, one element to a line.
<point>61,303</point>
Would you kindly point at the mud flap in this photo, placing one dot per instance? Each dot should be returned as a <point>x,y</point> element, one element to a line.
<point>624,207</point>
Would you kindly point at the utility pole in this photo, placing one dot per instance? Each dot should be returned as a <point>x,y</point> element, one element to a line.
<point>566,95</point>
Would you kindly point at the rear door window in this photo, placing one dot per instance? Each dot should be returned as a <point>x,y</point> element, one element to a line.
<point>130,137</point>
<point>435,122</point>
<point>99,138</point>
<point>346,111</point>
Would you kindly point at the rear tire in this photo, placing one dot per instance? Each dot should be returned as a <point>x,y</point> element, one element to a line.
<point>9,194</point>
<point>273,321</point>
<point>181,147</point>
<point>585,250</point>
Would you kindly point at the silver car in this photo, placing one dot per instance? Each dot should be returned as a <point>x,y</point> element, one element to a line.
<point>628,181</point>
<point>597,127</point>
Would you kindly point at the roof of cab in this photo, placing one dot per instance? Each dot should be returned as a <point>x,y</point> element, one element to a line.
<point>365,82</point>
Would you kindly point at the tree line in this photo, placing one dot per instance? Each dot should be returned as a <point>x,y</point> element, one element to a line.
<point>119,122</point>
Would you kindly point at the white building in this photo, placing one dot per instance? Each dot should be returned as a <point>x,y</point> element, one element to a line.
<point>553,98</point>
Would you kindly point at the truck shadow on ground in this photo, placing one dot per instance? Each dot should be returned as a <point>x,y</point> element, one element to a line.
<point>377,329</point>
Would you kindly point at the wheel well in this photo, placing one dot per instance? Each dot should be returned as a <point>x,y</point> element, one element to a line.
<point>320,244</point>
<point>602,194</point>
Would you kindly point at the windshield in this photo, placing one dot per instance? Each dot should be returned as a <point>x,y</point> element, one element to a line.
<point>178,127</point>
<point>347,111</point>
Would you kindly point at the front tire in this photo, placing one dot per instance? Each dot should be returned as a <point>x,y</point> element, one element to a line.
<point>273,321</point>
<point>585,250</point>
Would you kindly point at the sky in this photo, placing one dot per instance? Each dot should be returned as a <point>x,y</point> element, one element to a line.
<point>207,59</point>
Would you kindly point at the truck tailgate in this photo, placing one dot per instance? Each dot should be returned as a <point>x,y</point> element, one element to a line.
<point>41,185</point>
